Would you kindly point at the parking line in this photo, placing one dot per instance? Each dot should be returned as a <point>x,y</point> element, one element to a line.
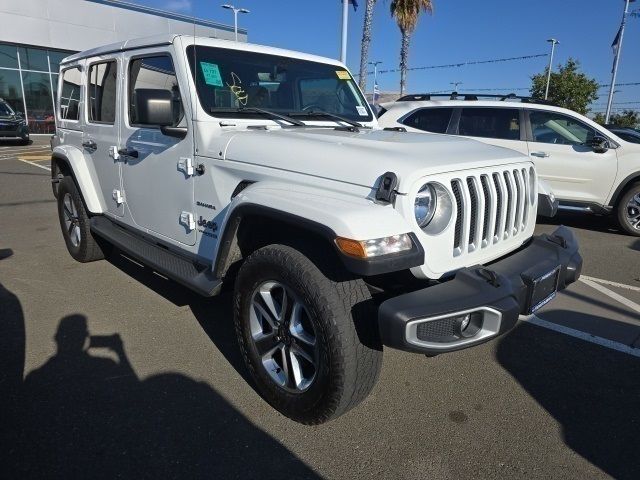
<point>587,337</point>
<point>611,294</point>
<point>609,282</point>
<point>34,164</point>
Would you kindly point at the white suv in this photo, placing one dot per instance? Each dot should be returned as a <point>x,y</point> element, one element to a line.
<point>589,168</point>
<point>220,164</point>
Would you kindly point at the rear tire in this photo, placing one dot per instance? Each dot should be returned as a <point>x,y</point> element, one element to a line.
<point>337,364</point>
<point>74,223</point>
<point>628,210</point>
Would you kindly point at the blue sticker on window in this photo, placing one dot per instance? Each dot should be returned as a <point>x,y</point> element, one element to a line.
<point>211,74</point>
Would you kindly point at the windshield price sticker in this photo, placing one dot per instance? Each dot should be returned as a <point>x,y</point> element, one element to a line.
<point>211,74</point>
<point>343,75</point>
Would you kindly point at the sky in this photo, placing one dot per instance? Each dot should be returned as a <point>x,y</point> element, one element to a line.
<point>457,32</point>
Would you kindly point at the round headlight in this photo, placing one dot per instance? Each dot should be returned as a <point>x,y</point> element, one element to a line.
<point>425,205</point>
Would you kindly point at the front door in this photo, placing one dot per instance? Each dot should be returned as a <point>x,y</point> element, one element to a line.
<point>157,170</point>
<point>101,132</point>
<point>559,147</point>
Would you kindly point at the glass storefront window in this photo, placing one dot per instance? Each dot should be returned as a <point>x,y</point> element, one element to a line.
<point>10,89</point>
<point>38,83</point>
<point>37,91</point>
<point>55,58</point>
<point>33,59</point>
<point>8,56</point>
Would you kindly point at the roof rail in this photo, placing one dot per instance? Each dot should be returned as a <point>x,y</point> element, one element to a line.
<point>418,97</point>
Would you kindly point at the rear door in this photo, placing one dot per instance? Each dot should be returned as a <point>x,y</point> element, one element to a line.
<point>500,126</point>
<point>101,132</point>
<point>158,181</point>
<point>559,148</point>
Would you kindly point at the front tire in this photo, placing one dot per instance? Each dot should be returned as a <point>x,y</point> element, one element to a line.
<point>629,210</point>
<point>74,222</point>
<point>297,333</point>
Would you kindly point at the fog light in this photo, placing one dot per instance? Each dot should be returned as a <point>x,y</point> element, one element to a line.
<point>468,325</point>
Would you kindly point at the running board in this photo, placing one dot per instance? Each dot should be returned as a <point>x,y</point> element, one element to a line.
<point>198,278</point>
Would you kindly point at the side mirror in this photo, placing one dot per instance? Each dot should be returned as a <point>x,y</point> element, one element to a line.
<point>154,107</point>
<point>599,144</point>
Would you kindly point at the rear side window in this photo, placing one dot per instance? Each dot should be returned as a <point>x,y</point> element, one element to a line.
<point>501,123</point>
<point>102,92</point>
<point>153,73</point>
<point>434,120</point>
<point>70,94</point>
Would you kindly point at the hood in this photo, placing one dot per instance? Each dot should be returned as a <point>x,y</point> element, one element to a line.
<point>362,157</point>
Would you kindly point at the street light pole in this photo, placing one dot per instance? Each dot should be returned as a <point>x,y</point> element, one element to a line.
<point>455,85</point>
<point>618,46</point>
<point>375,79</point>
<point>235,16</point>
<point>345,22</point>
<point>553,42</point>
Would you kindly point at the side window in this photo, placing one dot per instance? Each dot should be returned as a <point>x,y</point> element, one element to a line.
<point>102,92</point>
<point>147,75</point>
<point>501,123</point>
<point>70,94</point>
<point>434,120</point>
<point>551,127</point>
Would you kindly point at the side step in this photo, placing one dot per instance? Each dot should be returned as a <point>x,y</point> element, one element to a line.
<point>177,268</point>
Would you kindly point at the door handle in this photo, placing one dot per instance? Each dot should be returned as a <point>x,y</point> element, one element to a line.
<point>540,154</point>
<point>128,152</point>
<point>89,144</point>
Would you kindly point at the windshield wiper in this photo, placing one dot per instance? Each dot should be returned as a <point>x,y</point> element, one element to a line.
<point>322,113</point>
<point>269,113</point>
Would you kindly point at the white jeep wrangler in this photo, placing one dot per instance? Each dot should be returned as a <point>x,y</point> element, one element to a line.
<point>217,162</point>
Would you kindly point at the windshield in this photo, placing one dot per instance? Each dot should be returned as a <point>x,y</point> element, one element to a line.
<point>227,81</point>
<point>5,109</point>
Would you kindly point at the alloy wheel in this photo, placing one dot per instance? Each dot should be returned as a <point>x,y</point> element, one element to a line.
<point>284,336</point>
<point>71,220</point>
<point>633,211</point>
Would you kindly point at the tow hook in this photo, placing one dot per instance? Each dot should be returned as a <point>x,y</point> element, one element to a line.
<point>490,276</point>
<point>558,240</point>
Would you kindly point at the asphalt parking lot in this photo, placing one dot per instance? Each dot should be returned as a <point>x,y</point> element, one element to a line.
<point>558,397</point>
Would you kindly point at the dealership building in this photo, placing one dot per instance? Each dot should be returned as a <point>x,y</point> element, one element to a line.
<point>35,35</point>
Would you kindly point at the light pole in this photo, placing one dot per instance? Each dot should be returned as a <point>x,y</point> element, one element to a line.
<point>345,23</point>
<point>617,46</point>
<point>375,79</point>
<point>455,85</point>
<point>235,16</point>
<point>553,42</point>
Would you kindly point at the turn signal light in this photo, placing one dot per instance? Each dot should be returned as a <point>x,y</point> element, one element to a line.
<point>375,247</point>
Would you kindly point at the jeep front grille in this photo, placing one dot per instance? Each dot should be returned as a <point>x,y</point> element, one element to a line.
<point>491,207</point>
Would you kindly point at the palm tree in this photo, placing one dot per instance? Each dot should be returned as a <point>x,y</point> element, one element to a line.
<point>366,41</point>
<point>406,13</point>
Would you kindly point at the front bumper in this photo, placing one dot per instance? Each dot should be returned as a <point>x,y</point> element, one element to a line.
<point>494,295</point>
<point>14,131</point>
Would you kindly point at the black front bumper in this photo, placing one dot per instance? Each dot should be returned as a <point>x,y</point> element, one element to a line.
<point>503,288</point>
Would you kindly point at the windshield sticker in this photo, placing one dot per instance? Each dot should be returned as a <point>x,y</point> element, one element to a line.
<point>343,75</point>
<point>361,110</point>
<point>211,74</point>
<point>237,90</point>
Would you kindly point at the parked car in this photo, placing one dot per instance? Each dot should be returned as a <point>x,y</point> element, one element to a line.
<point>12,125</point>
<point>338,237</point>
<point>631,135</point>
<point>589,168</point>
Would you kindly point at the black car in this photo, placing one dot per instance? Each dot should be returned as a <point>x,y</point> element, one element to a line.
<point>629,134</point>
<point>12,125</point>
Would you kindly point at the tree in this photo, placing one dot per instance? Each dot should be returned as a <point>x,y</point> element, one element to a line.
<point>366,41</point>
<point>628,118</point>
<point>407,13</point>
<point>568,88</point>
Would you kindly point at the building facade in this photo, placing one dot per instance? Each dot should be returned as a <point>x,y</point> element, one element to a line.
<point>35,35</point>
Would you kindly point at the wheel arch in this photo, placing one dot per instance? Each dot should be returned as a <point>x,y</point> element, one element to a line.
<point>71,162</point>
<point>623,186</point>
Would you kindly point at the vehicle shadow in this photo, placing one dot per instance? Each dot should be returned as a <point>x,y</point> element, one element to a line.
<point>596,223</point>
<point>85,414</point>
<point>214,315</point>
<point>635,245</point>
<point>592,392</point>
